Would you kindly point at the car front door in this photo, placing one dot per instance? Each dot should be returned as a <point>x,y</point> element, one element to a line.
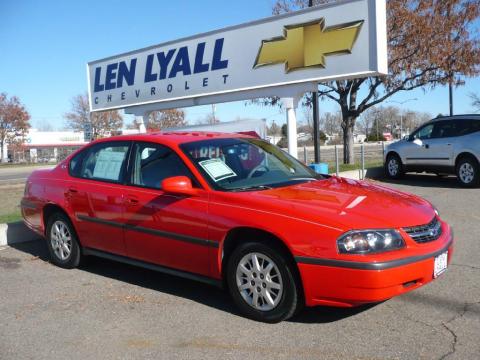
<point>95,195</point>
<point>415,150</point>
<point>165,229</point>
<point>439,148</point>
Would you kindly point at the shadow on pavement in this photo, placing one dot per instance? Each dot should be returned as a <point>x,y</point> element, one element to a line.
<point>18,232</point>
<point>189,289</point>
<point>423,180</point>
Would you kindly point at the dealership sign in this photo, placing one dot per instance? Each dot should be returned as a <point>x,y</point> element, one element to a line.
<point>345,39</point>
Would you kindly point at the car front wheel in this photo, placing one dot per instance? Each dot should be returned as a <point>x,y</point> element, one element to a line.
<point>62,242</point>
<point>262,283</point>
<point>394,167</point>
<point>468,172</point>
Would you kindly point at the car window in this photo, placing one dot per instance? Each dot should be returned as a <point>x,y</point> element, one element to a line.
<point>462,127</point>
<point>105,161</point>
<point>75,166</point>
<point>152,163</point>
<point>424,132</point>
<point>474,126</point>
<point>444,129</point>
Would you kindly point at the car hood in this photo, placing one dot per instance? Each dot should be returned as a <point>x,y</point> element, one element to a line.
<point>346,204</point>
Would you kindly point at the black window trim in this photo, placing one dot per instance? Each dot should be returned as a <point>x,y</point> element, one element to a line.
<point>86,151</point>
<point>131,164</point>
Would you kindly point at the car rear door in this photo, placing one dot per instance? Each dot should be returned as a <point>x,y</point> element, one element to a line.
<point>95,193</point>
<point>165,229</point>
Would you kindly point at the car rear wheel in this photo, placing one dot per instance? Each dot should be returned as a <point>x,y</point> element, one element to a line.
<point>262,283</point>
<point>394,167</point>
<point>468,172</point>
<point>62,242</point>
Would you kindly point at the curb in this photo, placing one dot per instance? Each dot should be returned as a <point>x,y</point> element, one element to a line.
<point>371,173</point>
<point>16,232</point>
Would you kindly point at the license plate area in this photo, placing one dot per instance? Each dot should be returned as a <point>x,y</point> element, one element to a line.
<point>440,264</point>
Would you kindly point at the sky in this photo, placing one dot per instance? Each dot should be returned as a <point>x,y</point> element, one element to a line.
<point>45,46</point>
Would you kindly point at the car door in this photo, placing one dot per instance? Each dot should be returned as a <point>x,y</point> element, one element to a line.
<point>165,229</point>
<point>95,195</point>
<point>414,150</point>
<point>439,148</point>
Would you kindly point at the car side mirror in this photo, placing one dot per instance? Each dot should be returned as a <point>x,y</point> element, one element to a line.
<point>180,185</point>
<point>407,138</point>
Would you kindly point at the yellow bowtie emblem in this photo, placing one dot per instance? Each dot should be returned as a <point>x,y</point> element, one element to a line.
<point>306,45</point>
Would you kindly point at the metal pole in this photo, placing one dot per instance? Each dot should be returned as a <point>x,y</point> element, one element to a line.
<point>336,160</point>
<point>305,155</point>
<point>450,96</point>
<point>316,130</point>
<point>362,149</point>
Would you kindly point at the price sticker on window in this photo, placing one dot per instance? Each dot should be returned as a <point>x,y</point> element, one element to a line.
<point>217,169</point>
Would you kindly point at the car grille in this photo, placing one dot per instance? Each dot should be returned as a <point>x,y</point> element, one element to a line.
<point>425,233</point>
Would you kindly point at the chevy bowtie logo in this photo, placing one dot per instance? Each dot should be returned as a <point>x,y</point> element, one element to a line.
<point>307,45</point>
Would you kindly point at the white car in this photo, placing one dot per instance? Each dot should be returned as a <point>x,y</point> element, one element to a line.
<point>445,145</point>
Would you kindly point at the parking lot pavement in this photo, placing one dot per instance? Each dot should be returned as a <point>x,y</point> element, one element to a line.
<point>12,174</point>
<point>109,310</point>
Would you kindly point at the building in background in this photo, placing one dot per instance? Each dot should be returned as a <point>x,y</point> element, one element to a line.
<point>45,146</point>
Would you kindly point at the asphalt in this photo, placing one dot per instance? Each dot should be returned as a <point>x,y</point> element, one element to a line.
<point>18,173</point>
<point>113,311</point>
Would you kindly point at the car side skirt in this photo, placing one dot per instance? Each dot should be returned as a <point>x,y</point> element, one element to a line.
<point>154,267</point>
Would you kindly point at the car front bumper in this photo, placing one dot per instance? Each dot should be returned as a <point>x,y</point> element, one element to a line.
<point>347,284</point>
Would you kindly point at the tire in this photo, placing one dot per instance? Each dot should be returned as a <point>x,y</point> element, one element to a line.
<point>394,167</point>
<point>60,231</point>
<point>279,282</point>
<point>468,172</point>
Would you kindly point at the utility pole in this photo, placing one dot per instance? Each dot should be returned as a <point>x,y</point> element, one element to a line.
<point>450,94</point>
<point>316,130</point>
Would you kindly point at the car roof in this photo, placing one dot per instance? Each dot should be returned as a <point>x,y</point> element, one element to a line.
<point>175,137</point>
<point>457,117</point>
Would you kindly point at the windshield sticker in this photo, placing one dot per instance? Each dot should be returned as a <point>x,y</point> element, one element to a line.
<point>217,169</point>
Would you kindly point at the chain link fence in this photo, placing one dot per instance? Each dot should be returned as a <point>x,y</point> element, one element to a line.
<point>366,155</point>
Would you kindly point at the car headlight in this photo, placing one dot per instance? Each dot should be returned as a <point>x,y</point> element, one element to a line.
<point>369,241</point>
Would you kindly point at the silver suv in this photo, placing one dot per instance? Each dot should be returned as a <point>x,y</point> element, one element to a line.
<point>445,145</point>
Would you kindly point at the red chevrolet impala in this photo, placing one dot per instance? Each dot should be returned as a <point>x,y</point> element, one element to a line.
<point>237,211</point>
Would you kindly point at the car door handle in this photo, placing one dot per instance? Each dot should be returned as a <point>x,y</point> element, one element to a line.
<point>426,146</point>
<point>72,190</point>
<point>131,200</point>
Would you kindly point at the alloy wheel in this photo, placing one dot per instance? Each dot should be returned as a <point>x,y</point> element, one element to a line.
<point>259,281</point>
<point>61,240</point>
<point>393,167</point>
<point>466,173</point>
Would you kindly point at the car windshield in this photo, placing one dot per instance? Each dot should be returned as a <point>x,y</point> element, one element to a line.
<point>242,164</point>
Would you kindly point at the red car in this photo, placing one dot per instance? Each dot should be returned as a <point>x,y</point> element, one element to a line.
<point>235,210</point>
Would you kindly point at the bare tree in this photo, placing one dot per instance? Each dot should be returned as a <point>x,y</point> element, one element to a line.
<point>330,123</point>
<point>430,43</point>
<point>102,123</point>
<point>475,101</point>
<point>14,122</point>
